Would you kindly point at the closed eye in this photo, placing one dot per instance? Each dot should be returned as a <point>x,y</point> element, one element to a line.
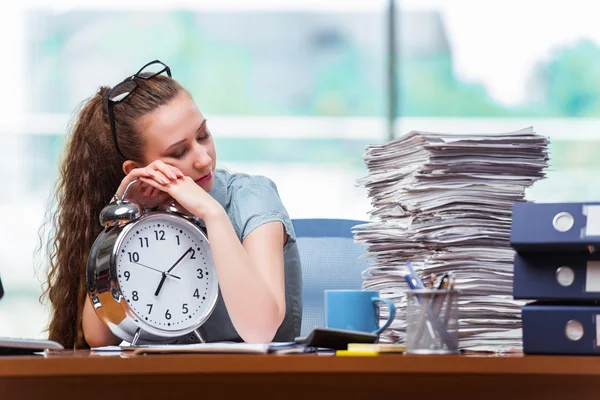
<point>203,137</point>
<point>184,151</point>
<point>180,154</point>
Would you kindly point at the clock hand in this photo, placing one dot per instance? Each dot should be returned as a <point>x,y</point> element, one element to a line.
<point>178,261</point>
<point>162,280</point>
<point>157,270</point>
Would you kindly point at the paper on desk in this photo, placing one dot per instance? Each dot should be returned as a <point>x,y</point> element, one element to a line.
<point>216,347</point>
<point>228,347</point>
<point>235,348</point>
<point>111,350</point>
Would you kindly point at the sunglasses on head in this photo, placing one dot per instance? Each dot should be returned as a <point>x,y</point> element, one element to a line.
<point>123,90</point>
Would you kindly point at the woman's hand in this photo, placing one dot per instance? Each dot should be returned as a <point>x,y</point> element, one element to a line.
<point>190,196</point>
<point>145,192</point>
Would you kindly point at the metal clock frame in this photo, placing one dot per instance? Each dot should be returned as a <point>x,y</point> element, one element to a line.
<point>103,285</point>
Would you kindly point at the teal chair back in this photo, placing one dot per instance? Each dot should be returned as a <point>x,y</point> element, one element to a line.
<point>330,260</point>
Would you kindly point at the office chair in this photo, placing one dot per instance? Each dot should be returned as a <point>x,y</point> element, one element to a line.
<point>330,260</point>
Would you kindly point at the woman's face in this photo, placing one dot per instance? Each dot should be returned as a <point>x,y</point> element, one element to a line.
<point>176,133</point>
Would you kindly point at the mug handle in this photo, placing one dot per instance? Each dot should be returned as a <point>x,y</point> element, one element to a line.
<point>392,313</point>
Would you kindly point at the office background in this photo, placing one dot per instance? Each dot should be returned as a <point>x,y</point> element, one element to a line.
<point>295,90</point>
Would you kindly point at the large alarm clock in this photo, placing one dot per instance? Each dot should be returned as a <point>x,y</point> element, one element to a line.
<point>150,275</point>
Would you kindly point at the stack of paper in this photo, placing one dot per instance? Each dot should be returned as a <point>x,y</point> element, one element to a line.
<point>444,202</point>
<point>212,348</point>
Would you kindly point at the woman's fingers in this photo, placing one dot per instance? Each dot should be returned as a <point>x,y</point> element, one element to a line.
<point>161,172</point>
<point>164,169</point>
<point>155,179</point>
<point>178,172</point>
<point>171,171</point>
<point>167,170</point>
<point>159,177</point>
<point>145,172</point>
<point>152,182</point>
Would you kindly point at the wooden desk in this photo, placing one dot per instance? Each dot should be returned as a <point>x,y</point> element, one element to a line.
<point>82,375</point>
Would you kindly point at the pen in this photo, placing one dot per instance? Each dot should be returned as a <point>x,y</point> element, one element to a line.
<point>422,321</point>
<point>419,284</point>
<point>413,285</point>
<point>432,279</point>
<point>438,299</point>
<point>411,281</point>
<point>450,301</point>
<point>429,315</point>
<point>423,301</point>
<point>432,321</point>
<point>443,282</point>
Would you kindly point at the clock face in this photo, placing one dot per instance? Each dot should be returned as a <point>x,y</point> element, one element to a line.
<point>166,274</point>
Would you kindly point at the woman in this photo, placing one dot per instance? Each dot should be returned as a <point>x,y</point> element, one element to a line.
<point>149,128</point>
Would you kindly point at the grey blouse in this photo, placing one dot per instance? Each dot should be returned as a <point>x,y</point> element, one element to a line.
<point>251,201</point>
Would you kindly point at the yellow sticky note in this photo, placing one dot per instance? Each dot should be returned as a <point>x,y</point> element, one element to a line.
<point>379,348</point>
<point>354,353</point>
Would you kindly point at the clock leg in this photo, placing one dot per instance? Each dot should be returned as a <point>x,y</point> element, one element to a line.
<point>136,336</point>
<point>199,336</point>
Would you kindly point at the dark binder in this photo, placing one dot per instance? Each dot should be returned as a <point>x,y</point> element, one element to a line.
<point>556,276</point>
<point>561,329</point>
<point>554,227</point>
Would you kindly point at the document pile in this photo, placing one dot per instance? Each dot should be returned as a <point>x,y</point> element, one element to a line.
<point>444,202</point>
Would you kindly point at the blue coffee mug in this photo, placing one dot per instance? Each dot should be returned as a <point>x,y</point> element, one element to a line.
<point>356,310</point>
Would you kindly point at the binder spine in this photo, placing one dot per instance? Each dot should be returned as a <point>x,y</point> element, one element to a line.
<point>561,329</point>
<point>556,277</point>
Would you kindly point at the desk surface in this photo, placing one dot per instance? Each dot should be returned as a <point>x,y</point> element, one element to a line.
<point>301,376</point>
<point>85,363</point>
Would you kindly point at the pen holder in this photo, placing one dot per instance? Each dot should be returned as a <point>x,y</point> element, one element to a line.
<point>432,321</point>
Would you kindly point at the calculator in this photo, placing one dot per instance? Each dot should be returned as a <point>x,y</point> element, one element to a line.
<point>335,339</point>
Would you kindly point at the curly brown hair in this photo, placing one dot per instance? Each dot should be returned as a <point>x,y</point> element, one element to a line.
<point>90,172</point>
